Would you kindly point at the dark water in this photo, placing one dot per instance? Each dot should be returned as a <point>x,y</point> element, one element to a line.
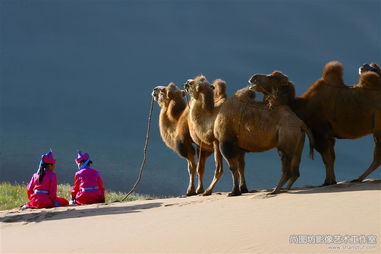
<point>78,75</point>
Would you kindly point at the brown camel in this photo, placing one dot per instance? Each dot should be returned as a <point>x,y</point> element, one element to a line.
<point>204,106</point>
<point>173,123</point>
<point>245,125</point>
<point>333,110</point>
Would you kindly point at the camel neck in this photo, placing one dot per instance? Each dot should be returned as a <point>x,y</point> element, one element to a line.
<point>208,100</point>
<point>175,109</point>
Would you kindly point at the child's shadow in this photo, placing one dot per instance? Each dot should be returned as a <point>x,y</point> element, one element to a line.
<point>75,212</point>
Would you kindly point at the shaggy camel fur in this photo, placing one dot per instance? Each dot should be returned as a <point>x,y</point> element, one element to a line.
<point>204,106</point>
<point>245,125</point>
<point>333,110</point>
<point>173,123</point>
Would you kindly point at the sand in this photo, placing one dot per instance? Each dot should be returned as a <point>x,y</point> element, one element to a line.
<point>345,218</point>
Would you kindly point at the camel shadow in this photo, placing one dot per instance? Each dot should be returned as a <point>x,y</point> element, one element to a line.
<point>39,215</point>
<point>368,184</point>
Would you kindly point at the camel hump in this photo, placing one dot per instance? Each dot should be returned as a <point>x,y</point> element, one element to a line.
<point>172,85</point>
<point>370,79</point>
<point>245,94</point>
<point>333,73</point>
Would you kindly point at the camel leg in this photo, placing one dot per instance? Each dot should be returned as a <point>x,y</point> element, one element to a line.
<point>294,176</point>
<point>376,159</point>
<point>286,169</point>
<point>326,148</point>
<point>295,162</point>
<point>186,150</point>
<point>219,169</point>
<point>241,171</point>
<point>191,172</point>
<point>235,175</point>
<point>201,170</point>
<point>230,153</point>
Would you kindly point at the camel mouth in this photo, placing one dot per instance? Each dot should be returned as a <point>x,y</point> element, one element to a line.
<point>256,83</point>
<point>253,86</point>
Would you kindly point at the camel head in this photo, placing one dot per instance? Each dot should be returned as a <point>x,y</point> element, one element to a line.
<point>370,67</point>
<point>275,86</point>
<point>195,87</point>
<point>266,84</point>
<point>165,94</point>
<point>219,86</point>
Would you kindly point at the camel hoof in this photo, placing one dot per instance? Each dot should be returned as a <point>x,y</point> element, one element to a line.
<point>273,193</point>
<point>207,193</point>
<point>356,181</point>
<point>199,191</point>
<point>244,189</point>
<point>328,183</point>
<point>190,193</point>
<point>234,193</point>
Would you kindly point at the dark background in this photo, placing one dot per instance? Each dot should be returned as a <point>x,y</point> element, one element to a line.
<point>78,74</point>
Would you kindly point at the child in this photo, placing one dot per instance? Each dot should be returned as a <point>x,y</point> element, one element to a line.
<point>88,184</point>
<point>42,188</point>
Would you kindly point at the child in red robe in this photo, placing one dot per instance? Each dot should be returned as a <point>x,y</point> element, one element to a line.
<point>42,188</point>
<point>88,184</point>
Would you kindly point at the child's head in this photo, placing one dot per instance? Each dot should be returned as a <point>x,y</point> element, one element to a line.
<point>83,160</point>
<point>47,162</point>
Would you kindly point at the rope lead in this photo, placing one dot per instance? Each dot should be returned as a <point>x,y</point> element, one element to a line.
<point>145,152</point>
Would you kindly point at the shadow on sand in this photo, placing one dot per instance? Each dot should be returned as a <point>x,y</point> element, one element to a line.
<point>39,215</point>
<point>368,184</point>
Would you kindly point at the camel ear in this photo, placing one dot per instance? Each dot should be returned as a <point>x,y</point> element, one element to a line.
<point>183,93</point>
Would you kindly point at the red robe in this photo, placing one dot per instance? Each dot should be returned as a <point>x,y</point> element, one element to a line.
<point>44,194</point>
<point>88,187</point>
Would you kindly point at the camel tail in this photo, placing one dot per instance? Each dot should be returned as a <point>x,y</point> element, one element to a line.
<point>311,140</point>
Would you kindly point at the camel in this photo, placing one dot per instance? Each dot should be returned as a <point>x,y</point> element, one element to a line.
<point>333,110</point>
<point>245,125</point>
<point>173,124</point>
<point>203,108</point>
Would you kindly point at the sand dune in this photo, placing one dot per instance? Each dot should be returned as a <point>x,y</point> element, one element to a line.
<point>334,219</point>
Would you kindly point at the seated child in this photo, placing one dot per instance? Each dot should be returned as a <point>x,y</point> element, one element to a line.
<point>42,188</point>
<point>88,184</point>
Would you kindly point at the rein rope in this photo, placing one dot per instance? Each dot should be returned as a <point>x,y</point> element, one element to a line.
<point>145,153</point>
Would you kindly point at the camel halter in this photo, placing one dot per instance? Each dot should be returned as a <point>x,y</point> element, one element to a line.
<point>145,152</point>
